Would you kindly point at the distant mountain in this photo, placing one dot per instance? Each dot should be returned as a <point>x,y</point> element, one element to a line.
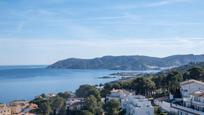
<point>128,62</point>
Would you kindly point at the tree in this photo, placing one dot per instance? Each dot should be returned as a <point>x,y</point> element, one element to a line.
<point>106,89</point>
<point>196,73</point>
<point>43,95</point>
<point>143,86</point>
<point>92,98</point>
<point>58,105</point>
<point>159,81</point>
<point>44,107</point>
<point>125,84</point>
<point>91,104</point>
<point>112,107</point>
<point>116,85</point>
<point>186,76</point>
<point>64,95</point>
<point>86,112</point>
<point>52,106</point>
<point>87,90</point>
<point>173,80</point>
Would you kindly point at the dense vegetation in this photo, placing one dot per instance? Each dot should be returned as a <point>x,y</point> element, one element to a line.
<point>127,62</point>
<point>155,85</point>
<point>150,85</point>
<point>93,104</point>
<point>92,97</point>
<point>51,106</point>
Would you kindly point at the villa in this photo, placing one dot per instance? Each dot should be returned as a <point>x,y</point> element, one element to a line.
<point>138,105</point>
<point>192,101</point>
<point>46,96</point>
<point>164,104</point>
<point>118,94</point>
<point>190,86</point>
<point>133,104</point>
<point>74,103</point>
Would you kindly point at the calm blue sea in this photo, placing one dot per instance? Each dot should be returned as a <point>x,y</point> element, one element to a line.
<point>25,82</point>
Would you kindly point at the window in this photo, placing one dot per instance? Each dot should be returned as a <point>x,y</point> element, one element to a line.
<point>197,99</point>
<point>185,90</point>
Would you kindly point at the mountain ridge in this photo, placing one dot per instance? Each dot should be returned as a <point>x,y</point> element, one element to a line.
<point>131,62</point>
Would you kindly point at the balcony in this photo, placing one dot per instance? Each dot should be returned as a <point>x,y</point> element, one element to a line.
<point>189,109</point>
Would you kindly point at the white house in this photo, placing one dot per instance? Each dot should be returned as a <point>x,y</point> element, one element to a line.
<point>192,101</point>
<point>138,105</point>
<point>74,103</point>
<point>164,104</point>
<point>118,94</point>
<point>198,100</point>
<point>133,104</point>
<point>190,86</point>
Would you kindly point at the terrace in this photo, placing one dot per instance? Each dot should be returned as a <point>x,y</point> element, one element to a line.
<point>185,106</point>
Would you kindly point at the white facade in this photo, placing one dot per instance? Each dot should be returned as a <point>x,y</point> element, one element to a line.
<point>190,86</point>
<point>118,95</point>
<point>192,102</point>
<point>165,106</point>
<point>74,103</point>
<point>138,105</point>
<point>133,104</point>
<point>182,110</point>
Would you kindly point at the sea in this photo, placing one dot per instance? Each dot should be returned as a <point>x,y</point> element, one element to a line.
<point>26,82</point>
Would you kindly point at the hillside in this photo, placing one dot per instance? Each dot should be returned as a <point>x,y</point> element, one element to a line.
<point>184,68</point>
<point>128,62</point>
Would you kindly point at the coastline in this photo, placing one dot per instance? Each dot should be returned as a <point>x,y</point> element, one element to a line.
<point>22,83</point>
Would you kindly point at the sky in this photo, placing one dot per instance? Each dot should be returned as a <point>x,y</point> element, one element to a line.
<point>45,31</point>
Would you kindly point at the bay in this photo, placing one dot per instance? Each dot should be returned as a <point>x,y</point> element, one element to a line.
<point>26,82</point>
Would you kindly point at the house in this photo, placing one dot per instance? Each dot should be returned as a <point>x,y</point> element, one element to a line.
<point>190,86</point>
<point>50,95</point>
<point>118,94</point>
<point>74,103</point>
<point>46,96</point>
<point>138,105</point>
<point>4,110</point>
<point>192,101</point>
<point>164,104</point>
<point>133,104</point>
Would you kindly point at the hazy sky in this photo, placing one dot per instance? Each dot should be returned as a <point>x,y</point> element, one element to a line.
<point>44,31</point>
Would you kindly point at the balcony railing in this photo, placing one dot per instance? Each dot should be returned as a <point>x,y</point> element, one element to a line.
<point>188,109</point>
